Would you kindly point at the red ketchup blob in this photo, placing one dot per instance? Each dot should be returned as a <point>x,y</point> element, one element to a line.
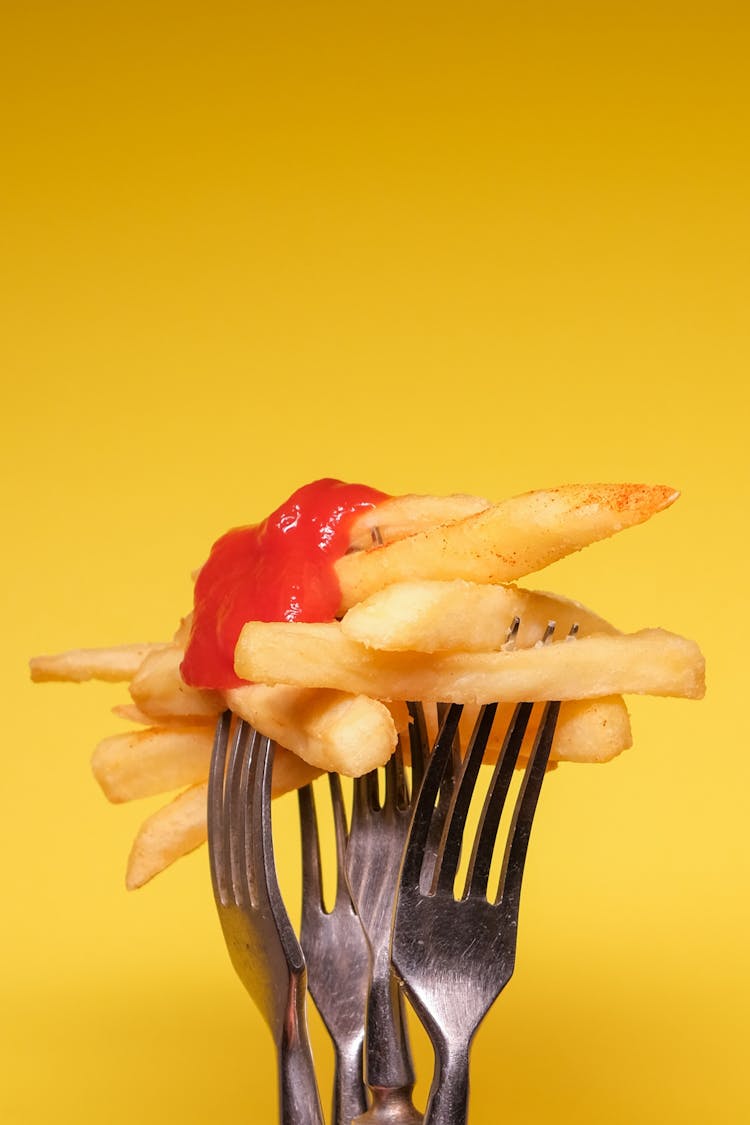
<point>279,570</point>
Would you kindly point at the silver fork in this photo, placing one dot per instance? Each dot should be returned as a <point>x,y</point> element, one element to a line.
<point>373,857</point>
<point>335,948</point>
<point>454,957</point>
<point>259,936</point>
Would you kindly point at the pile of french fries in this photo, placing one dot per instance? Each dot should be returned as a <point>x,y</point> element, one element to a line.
<point>428,602</point>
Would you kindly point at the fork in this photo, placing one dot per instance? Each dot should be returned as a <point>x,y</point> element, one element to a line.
<point>338,960</point>
<point>261,942</point>
<point>455,956</point>
<point>373,856</point>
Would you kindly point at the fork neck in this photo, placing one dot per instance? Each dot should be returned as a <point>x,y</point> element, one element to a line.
<point>449,1095</point>
<point>299,1099</point>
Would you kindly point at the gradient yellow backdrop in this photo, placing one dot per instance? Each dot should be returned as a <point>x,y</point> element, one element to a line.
<point>435,247</point>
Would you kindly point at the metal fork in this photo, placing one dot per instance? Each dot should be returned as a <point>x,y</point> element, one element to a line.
<point>454,957</point>
<point>338,960</point>
<point>259,936</point>
<point>373,857</point>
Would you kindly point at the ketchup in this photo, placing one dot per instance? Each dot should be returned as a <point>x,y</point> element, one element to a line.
<point>279,570</point>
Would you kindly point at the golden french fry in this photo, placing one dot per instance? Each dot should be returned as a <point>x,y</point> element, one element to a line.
<point>158,690</point>
<point>132,713</point>
<point>290,772</point>
<point>181,826</point>
<point>157,760</point>
<point>405,515</point>
<point>330,730</point>
<point>426,616</point>
<point>116,664</point>
<point>182,632</point>
<point>506,541</point>
<point>652,662</point>
<point>588,730</point>
<point>167,835</point>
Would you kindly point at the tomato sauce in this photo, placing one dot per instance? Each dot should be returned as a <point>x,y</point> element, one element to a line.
<point>279,570</point>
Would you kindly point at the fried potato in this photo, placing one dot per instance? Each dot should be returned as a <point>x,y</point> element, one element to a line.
<point>506,541</point>
<point>588,730</point>
<point>116,664</point>
<point>460,616</point>
<point>181,826</point>
<point>652,662</point>
<point>290,772</point>
<point>158,690</point>
<point>143,763</point>
<point>132,713</point>
<point>170,833</point>
<point>404,515</point>
<point>329,730</point>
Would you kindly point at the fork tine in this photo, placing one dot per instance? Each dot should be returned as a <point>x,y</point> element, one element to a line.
<point>494,803</point>
<point>449,852</point>
<point>396,796</point>
<point>523,814</point>
<point>234,819</point>
<point>312,882</point>
<point>455,763</point>
<point>445,797</point>
<point>418,745</point>
<point>262,834</point>
<point>366,794</point>
<point>247,879</point>
<point>341,834</point>
<point>424,808</point>
<point>259,842</point>
<point>216,852</point>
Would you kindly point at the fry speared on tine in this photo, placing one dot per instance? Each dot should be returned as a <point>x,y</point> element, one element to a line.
<point>455,955</point>
<point>259,936</point>
<point>335,948</point>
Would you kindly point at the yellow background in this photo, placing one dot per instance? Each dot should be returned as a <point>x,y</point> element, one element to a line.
<point>435,247</point>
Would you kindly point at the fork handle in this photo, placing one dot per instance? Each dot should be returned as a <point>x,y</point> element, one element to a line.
<point>349,1098</point>
<point>448,1103</point>
<point>299,1102</point>
<point>389,1062</point>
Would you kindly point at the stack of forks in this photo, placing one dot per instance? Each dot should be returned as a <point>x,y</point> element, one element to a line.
<point>396,926</point>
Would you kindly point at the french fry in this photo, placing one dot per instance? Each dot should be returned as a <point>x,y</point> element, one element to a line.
<point>329,730</point>
<point>158,690</point>
<point>460,616</point>
<point>588,730</point>
<point>116,664</point>
<point>181,826</point>
<point>404,515</point>
<point>652,662</point>
<point>290,772</point>
<point>144,763</point>
<point>182,632</point>
<point>504,542</point>
<point>132,713</point>
<point>170,833</point>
